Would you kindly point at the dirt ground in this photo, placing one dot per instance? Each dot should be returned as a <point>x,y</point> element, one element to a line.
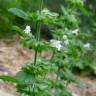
<point>13,55</point>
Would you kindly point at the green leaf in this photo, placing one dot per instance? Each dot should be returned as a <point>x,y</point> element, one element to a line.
<point>17,30</point>
<point>21,76</point>
<point>8,78</point>
<point>18,12</point>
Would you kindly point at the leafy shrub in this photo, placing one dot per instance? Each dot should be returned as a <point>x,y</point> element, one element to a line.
<point>50,77</point>
<point>34,79</point>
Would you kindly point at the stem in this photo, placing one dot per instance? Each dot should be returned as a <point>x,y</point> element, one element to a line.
<point>35,57</point>
<point>57,75</point>
<point>66,85</point>
<point>59,64</point>
<point>39,22</point>
<point>38,32</point>
<point>41,5</point>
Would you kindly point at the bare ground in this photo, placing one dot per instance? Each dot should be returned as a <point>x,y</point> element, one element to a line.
<point>13,55</point>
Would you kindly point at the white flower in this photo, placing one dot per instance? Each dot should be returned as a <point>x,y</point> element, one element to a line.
<point>75,31</point>
<point>65,37</point>
<point>56,44</point>
<point>66,42</point>
<point>27,29</point>
<point>87,45</point>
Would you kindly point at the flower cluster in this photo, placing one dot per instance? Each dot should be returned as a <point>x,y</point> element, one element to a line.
<point>75,32</point>
<point>56,44</point>
<point>87,45</point>
<point>27,30</point>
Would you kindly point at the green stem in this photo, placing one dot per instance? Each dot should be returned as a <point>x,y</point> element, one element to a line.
<point>41,5</point>
<point>66,85</point>
<point>59,64</point>
<point>35,57</point>
<point>38,32</point>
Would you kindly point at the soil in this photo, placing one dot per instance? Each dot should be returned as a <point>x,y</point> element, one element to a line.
<point>13,56</point>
